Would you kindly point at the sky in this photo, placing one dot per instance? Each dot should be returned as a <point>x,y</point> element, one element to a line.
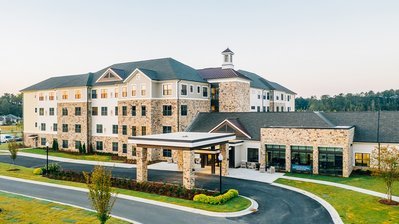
<point>312,47</point>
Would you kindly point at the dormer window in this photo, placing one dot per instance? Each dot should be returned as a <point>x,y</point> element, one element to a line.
<point>109,75</point>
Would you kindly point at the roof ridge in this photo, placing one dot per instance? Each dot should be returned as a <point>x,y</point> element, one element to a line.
<point>321,115</point>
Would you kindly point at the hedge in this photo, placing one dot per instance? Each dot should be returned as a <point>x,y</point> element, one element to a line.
<point>216,200</point>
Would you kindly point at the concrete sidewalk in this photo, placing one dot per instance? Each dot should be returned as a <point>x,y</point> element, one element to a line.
<point>344,186</point>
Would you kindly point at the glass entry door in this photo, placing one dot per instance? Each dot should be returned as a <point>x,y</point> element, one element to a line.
<point>276,156</point>
<point>330,161</point>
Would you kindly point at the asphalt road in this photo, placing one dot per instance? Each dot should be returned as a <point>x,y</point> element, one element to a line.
<point>276,205</point>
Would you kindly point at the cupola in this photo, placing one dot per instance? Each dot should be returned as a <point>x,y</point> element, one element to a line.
<point>227,59</point>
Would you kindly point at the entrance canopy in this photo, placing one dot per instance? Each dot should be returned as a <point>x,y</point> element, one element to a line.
<point>181,140</point>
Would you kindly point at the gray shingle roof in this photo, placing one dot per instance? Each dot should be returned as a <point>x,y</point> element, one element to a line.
<point>258,81</point>
<point>365,123</point>
<point>156,69</point>
<point>227,51</point>
<point>219,73</point>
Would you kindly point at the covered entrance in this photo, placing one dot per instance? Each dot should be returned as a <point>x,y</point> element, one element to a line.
<point>186,143</point>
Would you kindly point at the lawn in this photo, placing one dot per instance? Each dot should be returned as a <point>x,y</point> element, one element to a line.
<point>6,129</point>
<point>19,209</point>
<point>94,157</point>
<point>363,181</point>
<point>236,204</point>
<point>353,207</point>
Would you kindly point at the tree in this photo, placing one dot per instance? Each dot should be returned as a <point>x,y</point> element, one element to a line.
<point>55,145</point>
<point>387,159</point>
<point>84,148</point>
<point>13,149</point>
<point>100,192</point>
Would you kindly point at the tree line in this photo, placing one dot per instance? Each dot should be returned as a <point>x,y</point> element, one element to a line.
<point>11,104</point>
<point>387,100</point>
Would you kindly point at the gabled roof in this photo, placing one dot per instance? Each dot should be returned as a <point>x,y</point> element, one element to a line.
<point>235,124</point>
<point>227,51</point>
<point>365,123</point>
<point>219,73</point>
<point>156,69</point>
<point>258,81</point>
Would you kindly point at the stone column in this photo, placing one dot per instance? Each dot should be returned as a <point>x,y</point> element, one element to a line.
<point>315,159</point>
<point>180,160</point>
<point>346,161</point>
<point>224,148</point>
<point>188,169</point>
<point>142,170</point>
<point>262,159</point>
<point>288,158</point>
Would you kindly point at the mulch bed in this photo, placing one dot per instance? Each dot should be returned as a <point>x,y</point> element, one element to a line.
<point>13,169</point>
<point>386,202</point>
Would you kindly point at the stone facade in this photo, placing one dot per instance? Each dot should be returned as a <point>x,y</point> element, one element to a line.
<point>315,137</point>
<point>234,97</point>
<point>224,149</point>
<point>107,143</point>
<point>188,169</point>
<point>142,169</point>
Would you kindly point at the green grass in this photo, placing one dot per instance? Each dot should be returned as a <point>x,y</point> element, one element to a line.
<point>236,204</point>
<point>367,182</point>
<point>19,209</point>
<point>353,207</point>
<point>94,157</point>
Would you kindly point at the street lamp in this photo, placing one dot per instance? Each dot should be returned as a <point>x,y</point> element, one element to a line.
<point>47,145</point>
<point>220,157</point>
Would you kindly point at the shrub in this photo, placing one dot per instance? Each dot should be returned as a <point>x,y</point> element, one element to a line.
<point>37,171</point>
<point>55,145</point>
<point>52,168</point>
<point>216,200</point>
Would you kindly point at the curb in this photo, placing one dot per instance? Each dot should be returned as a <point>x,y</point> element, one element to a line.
<point>71,205</point>
<point>252,208</point>
<point>331,210</point>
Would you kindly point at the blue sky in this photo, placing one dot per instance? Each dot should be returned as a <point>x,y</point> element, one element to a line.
<point>312,47</point>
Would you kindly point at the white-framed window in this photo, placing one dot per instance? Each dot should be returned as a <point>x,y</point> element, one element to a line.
<point>104,93</point>
<point>134,90</point>
<point>51,96</point>
<point>65,95</point>
<point>78,94</point>
<point>116,92</point>
<point>183,89</point>
<point>143,89</point>
<point>198,89</point>
<point>191,88</point>
<point>124,91</point>
<point>167,89</point>
<point>204,91</point>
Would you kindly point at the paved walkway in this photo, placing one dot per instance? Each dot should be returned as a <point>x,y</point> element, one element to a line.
<point>344,186</point>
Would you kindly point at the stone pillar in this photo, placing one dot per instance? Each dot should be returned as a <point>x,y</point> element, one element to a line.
<point>180,160</point>
<point>141,170</point>
<point>288,158</point>
<point>347,161</point>
<point>188,169</point>
<point>224,148</point>
<point>315,159</point>
<point>262,159</point>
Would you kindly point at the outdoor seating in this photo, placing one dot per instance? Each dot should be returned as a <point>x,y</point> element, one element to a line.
<point>169,160</point>
<point>243,164</point>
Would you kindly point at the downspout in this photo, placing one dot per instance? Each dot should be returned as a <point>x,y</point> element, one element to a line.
<point>178,105</point>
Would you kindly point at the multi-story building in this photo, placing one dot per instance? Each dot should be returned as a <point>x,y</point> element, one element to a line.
<point>101,110</point>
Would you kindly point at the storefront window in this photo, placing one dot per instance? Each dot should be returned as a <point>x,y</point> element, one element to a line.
<point>302,159</point>
<point>276,156</point>
<point>330,161</point>
<point>253,155</point>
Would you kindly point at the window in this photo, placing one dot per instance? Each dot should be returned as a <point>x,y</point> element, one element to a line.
<point>104,111</point>
<point>282,97</point>
<point>268,109</point>
<point>51,96</point>
<point>116,93</point>
<point>94,94</point>
<point>183,90</point>
<point>124,129</point>
<point>167,129</point>
<point>99,145</point>
<point>55,127</point>
<point>124,91</point>
<point>114,146</point>
<point>143,111</point>
<point>198,89</point>
<point>282,109</point>
<point>258,109</point>
<point>253,155</point>
<point>64,127</point>
<point>65,144</point>
<point>41,111</point>
<point>143,90</point>
<point>64,95</point>
<point>167,89</point>
<point>277,109</point>
<point>94,111</point>
<point>43,141</point>
<point>302,159</point>
<point>114,129</point>
<point>264,109</point>
<point>51,110</point>
<point>43,127</point>
<point>288,98</point>
<point>226,58</point>
<point>288,109</point>
<point>183,110</point>
<point>191,88</point>
<point>134,131</point>
<point>35,124</point>
<point>78,144</point>
<point>143,130</point>
<point>116,111</point>
<point>167,110</point>
<point>134,90</point>
<point>264,97</point>
<point>258,97</point>
<point>276,156</point>
<point>124,110</point>
<point>276,97</point>
<point>78,111</point>
<point>362,159</point>
<point>35,110</point>
<point>252,107</point>
<point>134,151</point>
<point>78,128</point>
<point>104,93</point>
<point>64,111</point>
<point>99,128</point>
<point>78,94</point>
<point>124,148</point>
<point>268,96</point>
<point>167,153</point>
<point>133,110</point>
<point>205,91</point>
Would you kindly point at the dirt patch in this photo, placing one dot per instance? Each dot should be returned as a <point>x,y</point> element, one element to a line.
<point>386,202</point>
<point>15,169</point>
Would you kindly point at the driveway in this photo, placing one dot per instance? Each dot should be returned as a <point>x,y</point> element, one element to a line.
<point>276,205</point>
